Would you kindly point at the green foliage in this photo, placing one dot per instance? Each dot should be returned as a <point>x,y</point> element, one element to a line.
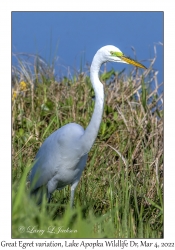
<point>107,75</point>
<point>121,217</point>
<point>120,192</point>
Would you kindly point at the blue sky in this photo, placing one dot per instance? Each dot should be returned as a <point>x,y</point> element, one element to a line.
<point>80,34</point>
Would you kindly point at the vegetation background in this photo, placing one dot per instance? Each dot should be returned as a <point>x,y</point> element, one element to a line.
<point>120,194</point>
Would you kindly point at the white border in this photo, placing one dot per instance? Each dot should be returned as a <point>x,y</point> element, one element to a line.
<point>5,93</point>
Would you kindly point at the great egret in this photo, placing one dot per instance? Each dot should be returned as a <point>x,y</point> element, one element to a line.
<point>62,157</point>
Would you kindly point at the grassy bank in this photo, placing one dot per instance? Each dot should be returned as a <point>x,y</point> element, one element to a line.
<point>120,194</point>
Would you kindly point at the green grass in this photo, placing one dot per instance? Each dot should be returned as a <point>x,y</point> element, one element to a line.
<point>121,189</point>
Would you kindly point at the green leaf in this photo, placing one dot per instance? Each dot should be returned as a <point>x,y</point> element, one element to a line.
<point>107,75</point>
<point>115,117</point>
<point>21,132</point>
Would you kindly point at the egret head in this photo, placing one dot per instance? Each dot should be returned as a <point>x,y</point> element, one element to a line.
<point>112,53</point>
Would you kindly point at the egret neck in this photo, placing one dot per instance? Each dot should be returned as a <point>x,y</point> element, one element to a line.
<point>91,131</point>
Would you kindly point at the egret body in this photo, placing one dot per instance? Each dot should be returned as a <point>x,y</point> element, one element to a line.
<point>62,157</point>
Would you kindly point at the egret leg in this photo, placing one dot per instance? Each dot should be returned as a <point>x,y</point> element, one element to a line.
<point>73,187</point>
<point>48,196</point>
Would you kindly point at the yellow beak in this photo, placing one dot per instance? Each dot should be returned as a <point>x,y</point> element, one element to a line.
<point>133,62</point>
